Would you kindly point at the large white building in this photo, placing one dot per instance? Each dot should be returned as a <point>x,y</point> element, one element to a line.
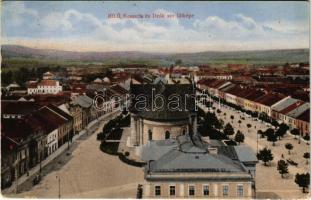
<point>45,87</point>
<point>190,168</point>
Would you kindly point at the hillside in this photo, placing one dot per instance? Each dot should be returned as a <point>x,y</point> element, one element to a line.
<point>12,54</point>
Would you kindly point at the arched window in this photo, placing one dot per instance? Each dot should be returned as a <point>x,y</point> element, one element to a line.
<point>149,134</point>
<point>167,135</point>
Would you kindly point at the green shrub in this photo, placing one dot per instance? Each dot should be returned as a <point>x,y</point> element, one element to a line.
<point>306,137</point>
<point>124,159</point>
<point>109,147</point>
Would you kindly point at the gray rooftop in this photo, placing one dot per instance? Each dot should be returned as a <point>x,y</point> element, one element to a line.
<point>176,160</point>
<point>284,104</point>
<point>83,101</point>
<point>299,110</point>
<point>192,155</point>
<point>245,153</point>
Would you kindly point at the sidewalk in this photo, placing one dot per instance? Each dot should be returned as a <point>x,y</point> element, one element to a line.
<point>89,129</point>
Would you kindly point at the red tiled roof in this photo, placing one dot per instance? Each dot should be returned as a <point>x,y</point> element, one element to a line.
<point>20,129</point>
<point>270,99</point>
<point>18,107</point>
<point>32,85</point>
<point>216,83</point>
<point>254,94</point>
<point>60,112</point>
<point>52,120</point>
<point>47,83</point>
<point>237,91</point>
<point>55,99</point>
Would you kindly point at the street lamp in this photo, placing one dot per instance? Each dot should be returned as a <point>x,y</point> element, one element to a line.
<point>58,177</point>
<point>257,141</point>
<point>68,139</point>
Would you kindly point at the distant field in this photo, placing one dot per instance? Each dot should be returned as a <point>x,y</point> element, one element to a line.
<point>18,56</point>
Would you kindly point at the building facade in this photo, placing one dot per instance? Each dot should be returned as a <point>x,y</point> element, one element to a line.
<point>189,168</point>
<point>45,87</point>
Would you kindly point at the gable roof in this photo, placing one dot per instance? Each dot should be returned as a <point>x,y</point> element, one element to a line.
<point>18,107</point>
<point>270,99</point>
<point>284,104</point>
<point>298,110</point>
<point>47,83</point>
<point>18,130</point>
<point>83,101</point>
<point>291,107</point>
<point>190,156</point>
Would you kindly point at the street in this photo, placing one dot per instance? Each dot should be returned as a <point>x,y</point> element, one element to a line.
<point>88,173</point>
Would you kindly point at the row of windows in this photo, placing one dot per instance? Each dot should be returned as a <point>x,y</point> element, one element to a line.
<point>167,134</point>
<point>205,190</point>
<point>52,148</point>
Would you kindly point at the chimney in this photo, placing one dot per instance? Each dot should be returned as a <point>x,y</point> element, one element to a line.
<point>213,150</point>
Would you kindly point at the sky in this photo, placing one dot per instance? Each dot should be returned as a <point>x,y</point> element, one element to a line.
<point>213,26</point>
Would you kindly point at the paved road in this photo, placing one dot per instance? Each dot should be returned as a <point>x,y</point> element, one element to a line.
<point>89,173</point>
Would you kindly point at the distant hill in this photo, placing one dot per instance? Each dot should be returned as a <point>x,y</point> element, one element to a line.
<point>15,52</point>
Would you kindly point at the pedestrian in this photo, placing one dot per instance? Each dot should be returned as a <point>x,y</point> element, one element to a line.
<point>282,156</point>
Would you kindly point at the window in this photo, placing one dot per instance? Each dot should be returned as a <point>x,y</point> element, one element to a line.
<point>149,134</point>
<point>191,190</point>
<point>172,190</point>
<point>205,190</point>
<point>157,190</point>
<point>167,135</point>
<point>225,190</point>
<point>240,190</point>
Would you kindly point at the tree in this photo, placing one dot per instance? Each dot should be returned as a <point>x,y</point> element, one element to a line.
<point>275,123</point>
<point>263,117</point>
<point>261,133</point>
<point>280,132</point>
<point>219,125</point>
<point>269,131</point>
<point>294,132</point>
<point>124,112</point>
<point>265,155</point>
<point>6,77</point>
<point>306,156</point>
<point>239,137</point>
<point>178,62</point>
<point>303,180</point>
<point>228,130</point>
<point>282,167</point>
<point>289,147</point>
<point>271,136</point>
<point>284,126</point>
<point>248,126</point>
